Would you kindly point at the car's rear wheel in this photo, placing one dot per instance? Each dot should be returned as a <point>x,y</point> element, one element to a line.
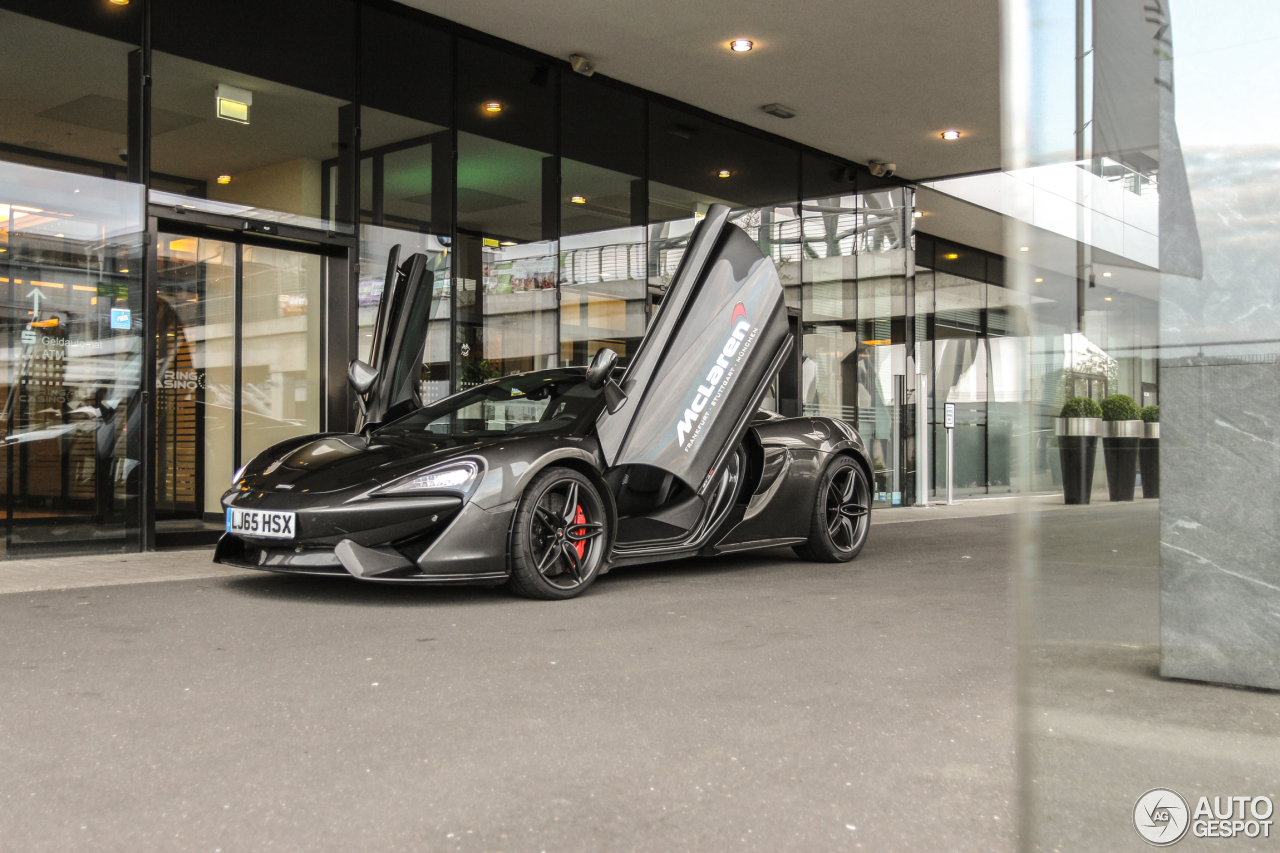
<point>841,514</point>
<point>560,536</point>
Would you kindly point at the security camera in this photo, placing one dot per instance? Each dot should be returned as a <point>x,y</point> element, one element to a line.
<point>582,65</point>
<point>882,170</point>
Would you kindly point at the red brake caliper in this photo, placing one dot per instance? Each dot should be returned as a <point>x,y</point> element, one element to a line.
<point>580,518</point>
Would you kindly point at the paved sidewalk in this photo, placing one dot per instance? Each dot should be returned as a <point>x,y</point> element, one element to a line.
<point>114,569</point>
<point>87,570</point>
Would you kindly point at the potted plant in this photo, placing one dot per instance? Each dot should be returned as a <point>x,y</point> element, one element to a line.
<point>1077,430</point>
<point>1121,432</point>
<point>1149,451</point>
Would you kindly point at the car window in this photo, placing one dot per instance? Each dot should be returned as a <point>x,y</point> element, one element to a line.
<point>531,404</point>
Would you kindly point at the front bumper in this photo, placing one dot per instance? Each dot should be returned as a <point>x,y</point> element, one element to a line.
<point>469,546</point>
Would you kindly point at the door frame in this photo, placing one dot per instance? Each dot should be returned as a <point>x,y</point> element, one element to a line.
<point>338,318</point>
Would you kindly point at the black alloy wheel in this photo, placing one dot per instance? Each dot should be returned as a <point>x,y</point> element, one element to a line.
<point>559,537</point>
<point>841,514</point>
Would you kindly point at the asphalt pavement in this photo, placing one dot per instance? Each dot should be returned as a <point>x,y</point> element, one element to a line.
<point>747,702</point>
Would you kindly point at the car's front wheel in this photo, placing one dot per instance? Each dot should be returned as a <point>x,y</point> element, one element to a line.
<point>560,536</point>
<point>841,514</point>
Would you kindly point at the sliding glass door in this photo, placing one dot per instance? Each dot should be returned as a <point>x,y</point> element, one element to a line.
<point>238,342</point>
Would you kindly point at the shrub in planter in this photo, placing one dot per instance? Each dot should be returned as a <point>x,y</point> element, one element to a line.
<point>1121,432</point>
<point>1119,407</point>
<point>1081,407</point>
<point>1149,451</point>
<point>1077,432</point>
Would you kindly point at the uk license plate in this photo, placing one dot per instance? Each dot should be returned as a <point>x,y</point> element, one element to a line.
<point>262,523</point>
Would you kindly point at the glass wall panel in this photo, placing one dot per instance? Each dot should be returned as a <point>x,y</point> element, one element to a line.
<point>66,95</point>
<point>960,377</point>
<point>879,239</point>
<point>195,378</point>
<point>243,124</point>
<point>831,354</point>
<point>406,172</point>
<point>507,205</point>
<point>280,393</point>
<point>70,277</point>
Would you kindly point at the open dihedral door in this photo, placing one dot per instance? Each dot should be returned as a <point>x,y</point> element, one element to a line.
<point>399,339</point>
<point>699,374</point>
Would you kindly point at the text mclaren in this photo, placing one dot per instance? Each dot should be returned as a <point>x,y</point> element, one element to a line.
<point>717,375</point>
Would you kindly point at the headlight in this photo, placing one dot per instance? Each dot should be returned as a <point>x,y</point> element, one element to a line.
<point>450,477</point>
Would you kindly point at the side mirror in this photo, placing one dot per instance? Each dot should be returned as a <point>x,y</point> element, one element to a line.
<point>601,367</point>
<point>361,376</point>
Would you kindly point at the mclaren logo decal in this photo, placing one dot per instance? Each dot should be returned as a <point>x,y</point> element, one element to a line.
<point>741,336</point>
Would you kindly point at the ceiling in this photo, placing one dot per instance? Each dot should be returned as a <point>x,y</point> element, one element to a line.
<point>868,81</point>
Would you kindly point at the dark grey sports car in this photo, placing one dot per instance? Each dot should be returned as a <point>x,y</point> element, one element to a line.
<point>546,480</point>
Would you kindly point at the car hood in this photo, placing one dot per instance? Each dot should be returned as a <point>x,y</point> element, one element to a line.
<point>334,463</point>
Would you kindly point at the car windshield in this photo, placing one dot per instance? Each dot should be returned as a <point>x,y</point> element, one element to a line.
<point>537,403</point>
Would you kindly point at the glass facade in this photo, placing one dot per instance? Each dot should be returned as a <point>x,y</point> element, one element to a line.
<point>274,172</point>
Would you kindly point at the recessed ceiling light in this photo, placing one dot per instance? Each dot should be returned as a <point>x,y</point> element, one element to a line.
<point>1106,298</point>
<point>951,256</point>
<point>1039,279</point>
<point>579,199</point>
<point>741,45</point>
<point>724,173</point>
<point>917,214</point>
<point>224,179</point>
<point>1024,249</point>
<point>1106,275</point>
<point>950,134</point>
<point>493,107</point>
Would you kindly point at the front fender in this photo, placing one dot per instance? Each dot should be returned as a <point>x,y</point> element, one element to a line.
<point>509,470</point>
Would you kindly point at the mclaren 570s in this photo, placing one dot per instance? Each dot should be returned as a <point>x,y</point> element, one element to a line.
<point>546,480</point>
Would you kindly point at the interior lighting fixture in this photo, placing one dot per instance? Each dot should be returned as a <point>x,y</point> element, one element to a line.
<point>492,107</point>
<point>507,243</point>
<point>950,134</point>
<point>1106,275</point>
<point>1024,249</point>
<point>951,256</point>
<point>120,2</point>
<point>741,45</point>
<point>1106,299</point>
<point>579,199</point>
<point>224,179</point>
<point>779,111</point>
<point>724,173</point>
<point>233,103</point>
<point>1039,280</point>
<point>123,270</point>
<point>917,214</point>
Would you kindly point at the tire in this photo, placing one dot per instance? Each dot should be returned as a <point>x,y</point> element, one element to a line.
<point>560,536</point>
<point>841,514</point>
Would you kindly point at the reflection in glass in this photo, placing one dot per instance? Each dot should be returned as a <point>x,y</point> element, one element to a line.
<point>195,376</point>
<point>280,360</point>
<point>506,272</point>
<point>70,273</point>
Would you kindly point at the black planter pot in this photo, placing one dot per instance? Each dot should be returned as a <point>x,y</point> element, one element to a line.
<point>1120,455</point>
<point>1149,461</point>
<point>1078,453</point>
